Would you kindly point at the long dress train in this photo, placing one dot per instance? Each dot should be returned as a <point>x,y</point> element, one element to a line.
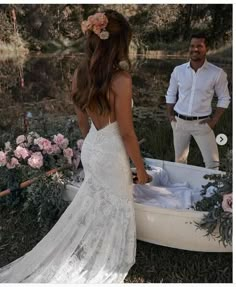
<point>94,241</point>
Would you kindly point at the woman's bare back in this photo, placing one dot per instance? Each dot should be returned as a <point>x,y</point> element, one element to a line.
<point>101,121</point>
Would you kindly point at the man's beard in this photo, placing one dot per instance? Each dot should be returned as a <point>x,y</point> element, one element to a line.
<point>195,57</point>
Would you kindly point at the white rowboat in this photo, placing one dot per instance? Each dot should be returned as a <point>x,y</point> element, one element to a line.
<point>174,228</point>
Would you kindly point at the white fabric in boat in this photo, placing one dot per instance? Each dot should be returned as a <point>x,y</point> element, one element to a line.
<point>161,192</point>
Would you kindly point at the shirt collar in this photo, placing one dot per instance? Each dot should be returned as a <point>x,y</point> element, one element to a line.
<point>204,66</point>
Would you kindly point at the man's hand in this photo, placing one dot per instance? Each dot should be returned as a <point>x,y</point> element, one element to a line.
<point>171,118</point>
<point>210,121</point>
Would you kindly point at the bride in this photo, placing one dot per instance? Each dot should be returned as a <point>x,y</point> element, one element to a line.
<point>94,240</point>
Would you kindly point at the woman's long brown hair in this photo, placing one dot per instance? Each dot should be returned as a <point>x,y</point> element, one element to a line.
<point>101,61</point>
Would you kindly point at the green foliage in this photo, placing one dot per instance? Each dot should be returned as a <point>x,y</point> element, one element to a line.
<point>45,196</point>
<point>44,26</point>
<point>217,219</point>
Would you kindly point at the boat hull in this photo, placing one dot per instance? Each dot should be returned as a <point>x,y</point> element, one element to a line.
<point>174,228</point>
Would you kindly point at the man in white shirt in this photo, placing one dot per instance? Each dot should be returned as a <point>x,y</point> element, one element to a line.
<point>189,97</point>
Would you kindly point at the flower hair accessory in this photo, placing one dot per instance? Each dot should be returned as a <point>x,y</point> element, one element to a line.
<point>96,23</point>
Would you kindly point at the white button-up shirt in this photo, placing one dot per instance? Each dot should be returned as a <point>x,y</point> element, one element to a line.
<point>193,91</point>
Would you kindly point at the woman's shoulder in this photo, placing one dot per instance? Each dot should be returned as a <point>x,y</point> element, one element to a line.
<point>121,78</point>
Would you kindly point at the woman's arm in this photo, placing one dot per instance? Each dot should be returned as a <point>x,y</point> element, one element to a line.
<point>82,116</point>
<point>122,88</point>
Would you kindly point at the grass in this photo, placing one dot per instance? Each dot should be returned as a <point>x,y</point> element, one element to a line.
<point>20,232</point>
<point>158,264</point>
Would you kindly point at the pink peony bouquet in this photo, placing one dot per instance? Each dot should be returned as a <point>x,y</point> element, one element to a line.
<point>38,152</point>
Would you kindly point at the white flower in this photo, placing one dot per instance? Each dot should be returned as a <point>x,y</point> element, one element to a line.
<point>29,139</point>
<point>20,139</point>
<point>104,35</point>
<point>34,135</point>
<point>3,158</point>
<point>8,146</point>
<point>210,191</point>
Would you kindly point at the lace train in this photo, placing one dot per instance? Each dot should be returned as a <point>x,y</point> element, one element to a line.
<point>94,240</point>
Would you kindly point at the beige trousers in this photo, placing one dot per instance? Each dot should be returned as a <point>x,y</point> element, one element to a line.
<point>204,136</point>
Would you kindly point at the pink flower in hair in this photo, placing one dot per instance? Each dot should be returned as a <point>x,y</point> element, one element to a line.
<point>96,23</point>
<point>96,30</point>
<point>85,26</point>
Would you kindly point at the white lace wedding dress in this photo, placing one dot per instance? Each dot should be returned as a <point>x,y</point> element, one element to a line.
<point>94,241</point>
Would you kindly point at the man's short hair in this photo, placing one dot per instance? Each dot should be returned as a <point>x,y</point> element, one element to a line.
<point>200,36</point>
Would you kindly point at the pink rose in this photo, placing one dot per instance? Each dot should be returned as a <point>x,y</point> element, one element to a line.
<point>3,158</point>
<point>36,160</point>
<point>64,144</point>
<point>68,153</point>
<point>43,144</point>
<point>80,144</point>
<point>21,152</point>
<point>96,23</point>
<point>85,26</point>
<point>20,139</point>
<point>13,163</point>
<point>100,20</point>
<point>91,20</point>
<point>61,141</point>
<point>96,30</point>
<point>227,202</point>
<point>55,149</point>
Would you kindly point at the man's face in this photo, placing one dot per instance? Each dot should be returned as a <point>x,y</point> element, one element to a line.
<point>197,49</point>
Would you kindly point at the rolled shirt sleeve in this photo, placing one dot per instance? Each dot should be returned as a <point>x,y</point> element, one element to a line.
<point>171,95</point>
<point>222,91</point>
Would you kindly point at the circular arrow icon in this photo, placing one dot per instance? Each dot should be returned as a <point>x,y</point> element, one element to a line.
<point>221,139</point>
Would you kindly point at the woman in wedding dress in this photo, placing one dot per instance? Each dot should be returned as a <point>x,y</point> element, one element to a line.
<point>94,240</point>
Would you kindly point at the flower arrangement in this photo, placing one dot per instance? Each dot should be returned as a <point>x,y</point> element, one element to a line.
<point>37,164</point>
<point>37,152</point>
<point>96,23</point>
<point>217,199</point>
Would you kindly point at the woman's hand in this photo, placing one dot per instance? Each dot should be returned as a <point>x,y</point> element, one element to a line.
<point>143,177</point>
